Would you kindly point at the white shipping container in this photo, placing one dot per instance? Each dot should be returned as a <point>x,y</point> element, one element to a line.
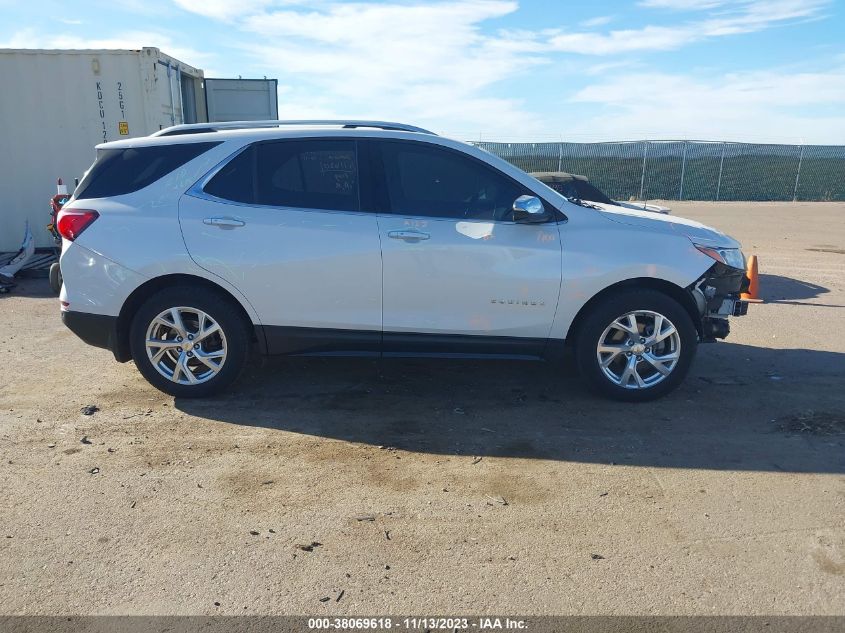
<point>56,105</point>
<point>241,99</point>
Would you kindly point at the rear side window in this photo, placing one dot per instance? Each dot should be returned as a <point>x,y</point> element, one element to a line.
<point>312,174</point>
<point>121,171</point>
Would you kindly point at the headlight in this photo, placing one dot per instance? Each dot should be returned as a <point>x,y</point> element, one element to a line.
<point>732,257</point>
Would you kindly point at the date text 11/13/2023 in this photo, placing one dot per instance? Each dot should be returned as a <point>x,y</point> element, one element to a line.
<point>418,623</point>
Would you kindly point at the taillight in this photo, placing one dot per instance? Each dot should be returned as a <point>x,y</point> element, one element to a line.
<point>72,222</point>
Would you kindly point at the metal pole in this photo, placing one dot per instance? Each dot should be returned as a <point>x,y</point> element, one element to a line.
<point>560,157</point>
<point>721,164</point>
<point>798,174</point>
<point>642,178</point>
<point>683,168</point>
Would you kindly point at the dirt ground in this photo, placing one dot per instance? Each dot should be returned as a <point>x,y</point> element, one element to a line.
<point>423,486</point>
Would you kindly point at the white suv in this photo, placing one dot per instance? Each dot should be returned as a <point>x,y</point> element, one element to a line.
<point>185,250</point>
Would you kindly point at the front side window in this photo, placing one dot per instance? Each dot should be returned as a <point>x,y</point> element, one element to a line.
<point>310,174</point>
<point>424,180</point>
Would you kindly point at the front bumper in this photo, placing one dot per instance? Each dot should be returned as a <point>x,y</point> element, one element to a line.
<point>98,330</point>
<point>717,295</point>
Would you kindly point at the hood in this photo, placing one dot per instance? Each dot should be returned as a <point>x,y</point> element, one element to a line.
<point>695,231</point>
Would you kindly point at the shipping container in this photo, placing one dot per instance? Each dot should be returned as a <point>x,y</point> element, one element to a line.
<point>56,105</point>
<point>241,99</point>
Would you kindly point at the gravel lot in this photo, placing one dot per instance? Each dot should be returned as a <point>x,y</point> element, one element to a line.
<point>441,486</point>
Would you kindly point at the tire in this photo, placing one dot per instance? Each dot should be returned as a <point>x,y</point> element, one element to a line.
<point>56,277</point>
<point>608,371</point>
<point>166,367</point>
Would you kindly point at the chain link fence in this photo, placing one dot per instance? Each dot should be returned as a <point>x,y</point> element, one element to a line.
<point>690,170</point>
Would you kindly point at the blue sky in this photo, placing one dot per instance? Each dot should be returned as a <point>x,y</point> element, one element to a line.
<point>752,70</point>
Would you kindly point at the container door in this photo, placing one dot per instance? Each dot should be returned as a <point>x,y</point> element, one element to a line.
<point>241,99</point>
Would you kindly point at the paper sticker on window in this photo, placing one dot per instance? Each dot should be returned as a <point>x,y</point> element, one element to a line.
<point>123,128</point>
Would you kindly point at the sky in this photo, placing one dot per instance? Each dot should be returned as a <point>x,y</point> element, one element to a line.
<point>510,70</point>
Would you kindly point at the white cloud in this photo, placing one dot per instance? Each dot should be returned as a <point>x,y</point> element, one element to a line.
<point>227,9</point>
<point>425,62</point>
<point>597,21</point>
<point>745,17</point>
<point>682,5</point>
<point>770,105</point>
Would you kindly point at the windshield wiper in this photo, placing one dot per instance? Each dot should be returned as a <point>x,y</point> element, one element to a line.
<point>584,203</point>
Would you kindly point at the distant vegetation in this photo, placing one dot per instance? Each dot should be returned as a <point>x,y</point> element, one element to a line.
<point>748,171</point>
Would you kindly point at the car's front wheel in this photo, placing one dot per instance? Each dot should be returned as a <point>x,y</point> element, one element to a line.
<point>635,345</point>
<point>189,342</point>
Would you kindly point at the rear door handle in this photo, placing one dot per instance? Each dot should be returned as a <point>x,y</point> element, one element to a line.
<point>408,236</point>
<point>224,223</point>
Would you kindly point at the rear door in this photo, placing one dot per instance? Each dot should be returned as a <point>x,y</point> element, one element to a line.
<point>282,222</point>
<point>459,274</point>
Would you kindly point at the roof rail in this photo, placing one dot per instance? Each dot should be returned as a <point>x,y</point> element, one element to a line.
<point>199,128</point>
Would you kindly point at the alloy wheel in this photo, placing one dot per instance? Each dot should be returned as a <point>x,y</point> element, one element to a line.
<point>186,345</point>
<point>639,349</point>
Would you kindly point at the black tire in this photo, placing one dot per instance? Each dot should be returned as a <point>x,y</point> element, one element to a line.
<point>235,332</point>
<point>605,312</point>
<point>56,277</point>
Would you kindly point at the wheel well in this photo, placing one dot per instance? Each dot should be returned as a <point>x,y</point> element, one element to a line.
<point>143,292</point>
<point>681,295</point>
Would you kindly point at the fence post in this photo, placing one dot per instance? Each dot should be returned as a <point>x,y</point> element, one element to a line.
<point>721,164</point>
<point>560,157</point>
<point>642,178</point>
<point>683,169</point>
<point>798,174</point>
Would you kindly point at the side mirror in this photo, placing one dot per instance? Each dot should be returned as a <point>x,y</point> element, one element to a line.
<point>529,210</point>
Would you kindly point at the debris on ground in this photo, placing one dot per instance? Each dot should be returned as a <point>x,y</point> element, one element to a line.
<point>500,500</point>
<point>51,445</point>
<point>387,534</point>
<point>94,470</point>
<point>813,423</point>
<point>308,548</point>
<point>365,517</point>
<point>325,599</point>
<point>596,556</point>
<point>459,411</point>
<point>85,440</point>
<point>254,532</point>
<point>340,595</point>
<point>135,415</point>
<point>475,460</point>
<point>91,409</point>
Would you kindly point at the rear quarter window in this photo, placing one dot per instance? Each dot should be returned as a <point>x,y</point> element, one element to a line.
<point>120,171</point>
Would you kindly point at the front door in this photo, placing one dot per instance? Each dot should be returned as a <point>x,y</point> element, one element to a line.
<point>459,274</point>
<point>282,223</point>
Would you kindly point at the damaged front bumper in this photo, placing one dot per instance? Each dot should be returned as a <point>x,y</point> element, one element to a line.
<point>717,296</point>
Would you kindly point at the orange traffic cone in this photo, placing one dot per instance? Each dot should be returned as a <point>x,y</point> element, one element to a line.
<point>753,294</point>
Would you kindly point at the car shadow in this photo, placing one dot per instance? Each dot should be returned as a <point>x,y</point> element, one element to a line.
<point>780,289</point>
<point>30,287</point>
<point>741,408</point>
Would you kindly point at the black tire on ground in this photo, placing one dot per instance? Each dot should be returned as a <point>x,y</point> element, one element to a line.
<point>55,277</point>
<point>215,305</point>
<point>605,312</point>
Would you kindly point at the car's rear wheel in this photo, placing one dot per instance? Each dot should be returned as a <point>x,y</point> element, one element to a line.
<point>55,277</point>
<point>189,342</point>
<point>636,345</point>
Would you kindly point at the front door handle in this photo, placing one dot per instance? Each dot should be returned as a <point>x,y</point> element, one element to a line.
<point>224,223</point>
<point>408,236</point>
